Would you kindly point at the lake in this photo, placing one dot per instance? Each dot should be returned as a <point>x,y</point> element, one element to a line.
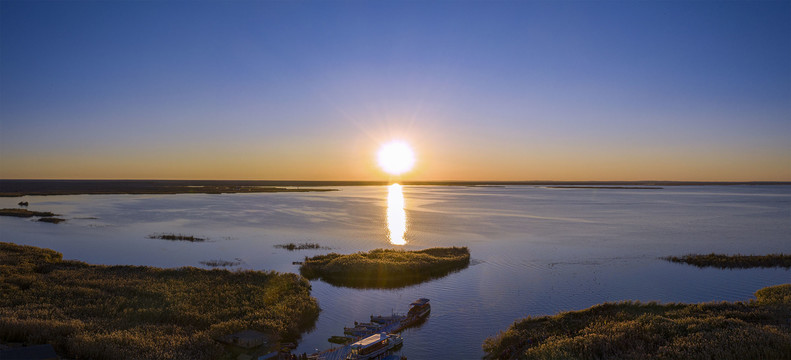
<point>535,250</point>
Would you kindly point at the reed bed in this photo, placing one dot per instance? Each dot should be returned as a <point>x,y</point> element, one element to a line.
<point>24,213</point>
<point>222,263</point>
<point>737,261</point>
<point>177,237</point>
<point>141,312</point>
<point>757,329</point>
<point>385,268</point>
<point>52,220</point>
<point>301,246</point>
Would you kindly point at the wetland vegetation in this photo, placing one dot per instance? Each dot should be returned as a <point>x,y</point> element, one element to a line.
<point>141,312</point>
<point>177,237</point>
<point>737,261</point>
<point>385,268</point>
<point>25,213</point>
<point>757,329</point>
<point>302,246</point>
<point>222,263</point>
<point>52,220</point>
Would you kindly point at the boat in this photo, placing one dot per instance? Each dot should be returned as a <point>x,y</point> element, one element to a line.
<point>418,309</point>
<point>373,346</point>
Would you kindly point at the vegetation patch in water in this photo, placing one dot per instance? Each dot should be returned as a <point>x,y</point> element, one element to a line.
<point>385,268</point>
<point>24,213</point>
<point>758,329</point>
<point>303,246</point>
<point>222,263</point>
<point>737,261</point>
<point>141,312</point>
<point>51,220</point>
<point>342,340</point>
<point>176,237</point>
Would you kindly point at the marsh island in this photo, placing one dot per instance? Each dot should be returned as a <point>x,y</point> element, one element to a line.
<point>385,268</point>
<point>737,261</point>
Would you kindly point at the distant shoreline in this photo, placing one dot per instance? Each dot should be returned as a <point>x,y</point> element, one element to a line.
<point>10,188</point>
<point>16,188</point>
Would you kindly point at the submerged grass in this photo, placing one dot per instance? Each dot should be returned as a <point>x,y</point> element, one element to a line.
<point>140,312</point>
<point>737,261</point>
<point>385,268</point>
<point>757,329</point>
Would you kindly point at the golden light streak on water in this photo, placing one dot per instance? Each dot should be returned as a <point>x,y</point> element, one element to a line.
<point>396,215</point>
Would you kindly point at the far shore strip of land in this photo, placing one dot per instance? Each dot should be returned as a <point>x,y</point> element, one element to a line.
<point>607,187</point>
<point>14,188</point>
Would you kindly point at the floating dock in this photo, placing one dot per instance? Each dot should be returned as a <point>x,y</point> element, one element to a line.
<point>340,353</point>
<point>389,324</point>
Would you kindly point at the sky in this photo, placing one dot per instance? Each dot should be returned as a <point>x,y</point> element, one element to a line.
<point>298,90</point>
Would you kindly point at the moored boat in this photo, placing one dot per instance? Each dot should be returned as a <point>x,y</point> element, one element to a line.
<point>374,346</point>
<point>419,308</point>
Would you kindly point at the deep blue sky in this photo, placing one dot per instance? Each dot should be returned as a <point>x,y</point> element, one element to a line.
<point>483,90</point>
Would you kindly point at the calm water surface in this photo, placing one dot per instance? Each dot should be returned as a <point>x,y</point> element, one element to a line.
<point>535,250</point>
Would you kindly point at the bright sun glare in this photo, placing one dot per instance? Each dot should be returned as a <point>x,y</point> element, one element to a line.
<point>396,157</point>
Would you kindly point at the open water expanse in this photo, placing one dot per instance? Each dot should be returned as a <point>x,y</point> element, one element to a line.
<point>535,250</point>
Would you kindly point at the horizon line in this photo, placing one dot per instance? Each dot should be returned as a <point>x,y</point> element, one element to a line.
<point>430,182</point>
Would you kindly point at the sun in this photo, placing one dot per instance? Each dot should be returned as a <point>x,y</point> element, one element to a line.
<point>396,157</point>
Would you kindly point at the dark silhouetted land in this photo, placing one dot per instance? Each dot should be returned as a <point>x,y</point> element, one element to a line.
<point>141,312</point>
<point>737,261</point>
<point>607,187</point>
<point>11,188</point>
<point>385,268</point>
<point>757,329</point>
<point>77,187</point>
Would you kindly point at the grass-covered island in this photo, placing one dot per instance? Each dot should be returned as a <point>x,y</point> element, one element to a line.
<point>385,268</point>
<point>25,213</point>
<point>758,329</point>
<point>44,216</point>
<point>140,312</point>
<point>737,261</point>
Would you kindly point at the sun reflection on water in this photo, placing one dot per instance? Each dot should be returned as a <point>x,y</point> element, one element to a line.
<point>396,215</point>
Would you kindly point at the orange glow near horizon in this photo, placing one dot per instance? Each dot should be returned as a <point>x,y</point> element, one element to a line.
<point>396,215</point>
